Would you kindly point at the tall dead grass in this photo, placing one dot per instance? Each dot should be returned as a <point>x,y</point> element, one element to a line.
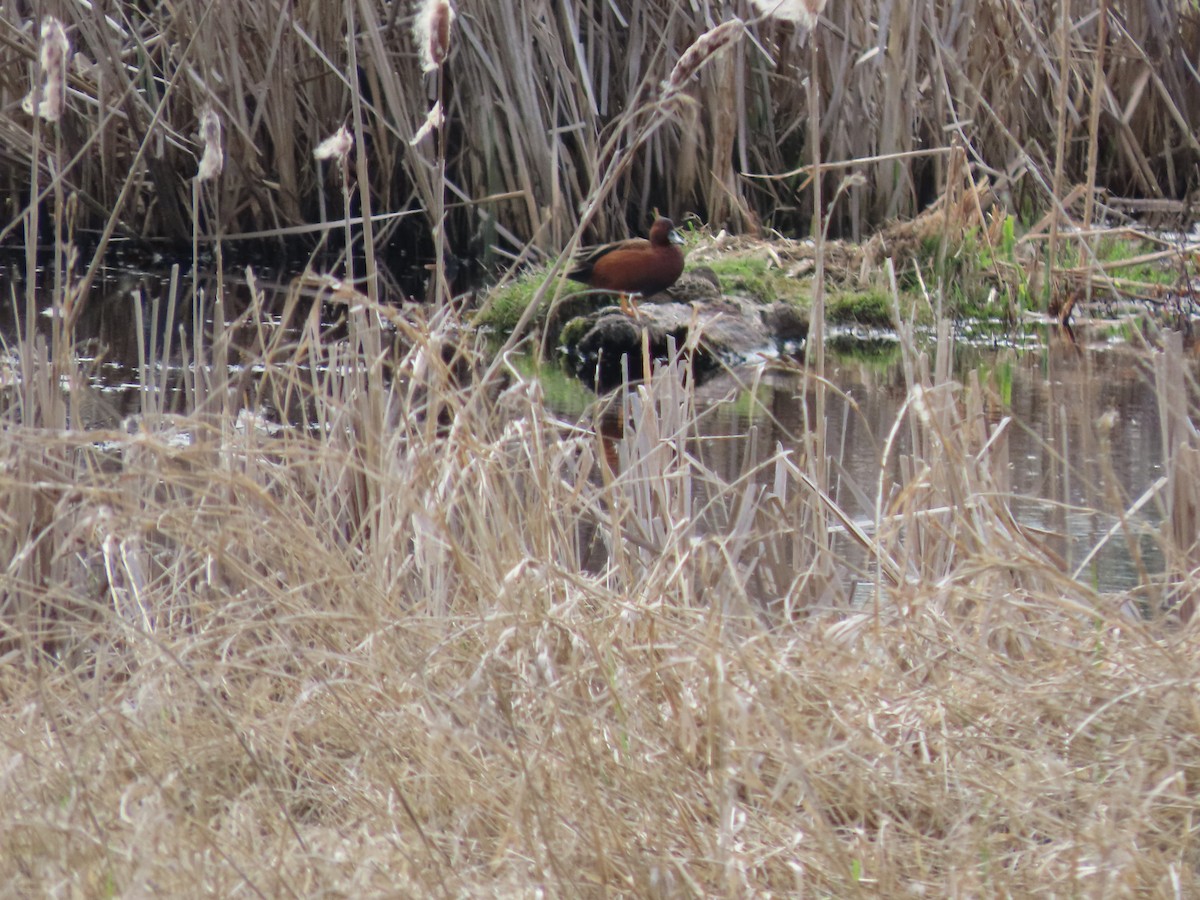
<point>347,628</point>
<point>535,100</point>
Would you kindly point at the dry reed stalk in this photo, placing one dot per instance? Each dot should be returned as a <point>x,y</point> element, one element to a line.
<point>336,148</point>
<point>1060,145</point>
<point>1099,87</point>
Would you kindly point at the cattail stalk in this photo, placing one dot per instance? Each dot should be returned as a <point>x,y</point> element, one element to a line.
<point>431,31</point>
<point>212,163</point>
<point>336,148</point>
<point>1060,144</point>
<point>1099,89</point>
<point>46,101</point>
<point>815,351</point>
<point>362,167</point>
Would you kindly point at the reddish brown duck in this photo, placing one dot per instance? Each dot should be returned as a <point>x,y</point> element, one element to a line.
<point>635,266</point>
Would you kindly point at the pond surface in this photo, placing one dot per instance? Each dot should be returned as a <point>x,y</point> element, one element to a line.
<point>1071,472</point>
<point>1067,474</point>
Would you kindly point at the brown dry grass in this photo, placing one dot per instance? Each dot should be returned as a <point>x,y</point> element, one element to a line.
<point>419,643</point>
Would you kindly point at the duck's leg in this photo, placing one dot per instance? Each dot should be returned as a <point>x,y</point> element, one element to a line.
<point>629,306</point>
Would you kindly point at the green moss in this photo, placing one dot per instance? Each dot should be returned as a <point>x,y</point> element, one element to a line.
<point>506,305</point>
<point>872,308</point>
<point>573,331</point>
<point>757,279</point>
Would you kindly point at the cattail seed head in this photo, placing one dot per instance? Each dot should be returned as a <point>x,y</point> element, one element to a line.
<point>55,50</point>
<point>702,49</point>
<point>55,46</point>
<point>336,146</point>
<point>432,32</point>
<point>212,160</point>
<point>802,12</point>
<point>434,120</point>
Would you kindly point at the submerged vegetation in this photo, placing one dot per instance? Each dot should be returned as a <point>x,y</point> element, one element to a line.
<point>347,605</point>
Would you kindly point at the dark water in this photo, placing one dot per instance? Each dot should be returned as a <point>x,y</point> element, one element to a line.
<point>132,315</point>
<point>1067,475</point>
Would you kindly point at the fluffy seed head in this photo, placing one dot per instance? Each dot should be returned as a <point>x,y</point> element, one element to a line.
<point>55,46</point>
<point>802,12</point>
<point>53,56</point>
<point>432,32</point>
<point>212,160</point>
<point>336,146</point>
<point>434,120</point>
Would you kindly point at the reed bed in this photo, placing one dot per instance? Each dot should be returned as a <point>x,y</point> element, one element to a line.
<point>351,611</point>
<point>366,624</point>
<point>541,100</point>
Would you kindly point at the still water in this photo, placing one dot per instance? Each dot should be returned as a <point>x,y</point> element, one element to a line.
<point>1068,475</point>
<point>1084,440</point>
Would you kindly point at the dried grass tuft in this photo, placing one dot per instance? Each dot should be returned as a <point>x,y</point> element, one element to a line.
<point>363,624</point>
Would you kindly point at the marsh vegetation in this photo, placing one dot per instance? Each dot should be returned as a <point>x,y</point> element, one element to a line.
<point>345,606</point>
<point>555,114</point>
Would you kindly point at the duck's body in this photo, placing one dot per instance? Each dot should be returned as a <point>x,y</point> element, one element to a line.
<point>635,266</point>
